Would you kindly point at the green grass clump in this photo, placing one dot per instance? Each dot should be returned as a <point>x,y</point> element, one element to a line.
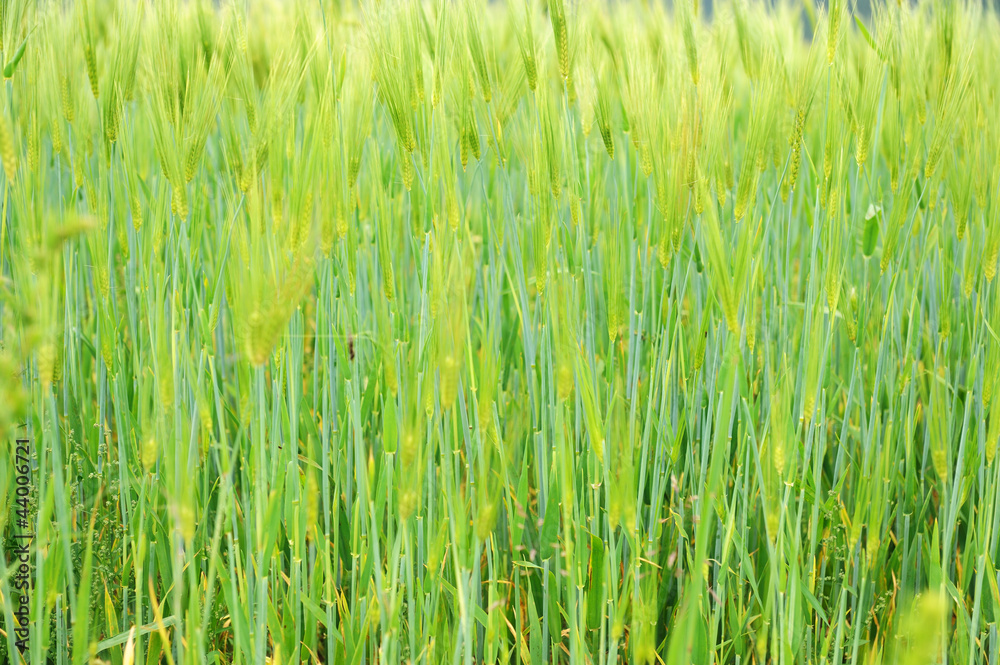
<point>466,332</point>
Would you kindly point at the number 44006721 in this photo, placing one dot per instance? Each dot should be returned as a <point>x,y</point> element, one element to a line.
<point>22,471</point>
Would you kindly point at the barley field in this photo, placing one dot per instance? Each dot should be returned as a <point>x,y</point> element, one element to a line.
<point>446,331</point>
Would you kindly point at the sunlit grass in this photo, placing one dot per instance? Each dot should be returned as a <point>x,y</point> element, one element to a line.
<point>421,332</point>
